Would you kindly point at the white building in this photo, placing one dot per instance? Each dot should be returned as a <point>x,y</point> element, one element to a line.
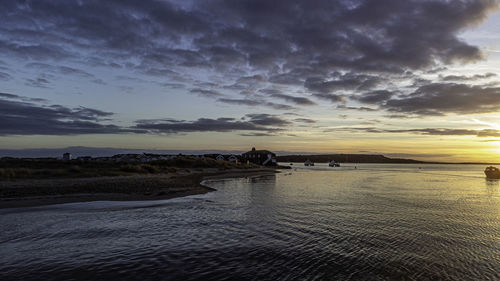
<point>67,156</point>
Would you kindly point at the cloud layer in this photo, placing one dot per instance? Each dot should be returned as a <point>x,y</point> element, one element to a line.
<point>324,47</point>
<point>27,116</point>
<point>281,55</point>
<point>24,116</point>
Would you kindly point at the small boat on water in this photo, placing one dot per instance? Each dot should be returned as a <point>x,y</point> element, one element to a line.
<point>492,172</point>
<point>334,164</point>
<point>308,163</point>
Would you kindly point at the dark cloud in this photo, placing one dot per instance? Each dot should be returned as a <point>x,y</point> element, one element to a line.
<point>451,132</point>
<point>437,132</point>
<point>425,131</point>
<point>293,99</point>
<point>39,82</point>
<point>488,133</point>
<point>419,82</point>
<point>250,102</point>
<point>22,116</point>
<point>374,97</point>
<point>21,98</point>
<point>17,97</point>
<point>436,70</point>
<point>329,48</point>
<point>467,78</point>
<point>442,98</point>
<point>267,120</point>
<point>60,69</point>
<point>304,120</point>
<point>34,50</point>
<point>362,108</point>
<point>257,135</point>
<point>342,82</point>
<point>206,93</point>
<point>99,82</point>
<point>5,76</point>
<point>246,102</point>
<point>330,97</point>
<point>251,122</point>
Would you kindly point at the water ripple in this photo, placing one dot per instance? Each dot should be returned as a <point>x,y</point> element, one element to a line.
<point>378,222</point>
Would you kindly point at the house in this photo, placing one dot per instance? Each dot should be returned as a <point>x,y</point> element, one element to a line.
<point>220,157</point>
<point>67,156</point>
<point>125,157</point>
<point>260,157</point>
<point>233,158</point>
<point>84,158</point>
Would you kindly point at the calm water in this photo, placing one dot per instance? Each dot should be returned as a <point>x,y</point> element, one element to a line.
<point>376,222</point>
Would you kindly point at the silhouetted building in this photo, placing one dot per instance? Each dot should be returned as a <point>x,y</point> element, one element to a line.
<point>67,156</point>
<point>260,157</point>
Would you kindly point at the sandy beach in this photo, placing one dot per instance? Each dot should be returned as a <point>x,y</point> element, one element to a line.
<point>27,193</point>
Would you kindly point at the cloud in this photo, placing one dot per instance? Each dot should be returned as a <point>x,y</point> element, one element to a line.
<point>246,102</point>
<point>60,69</point>
<point>362,108</point>
<point>467,78</point>
<point>342,82</point>
<point>257,135</point>
<point>206,93</point>
<point>374,97</point>
<point>304,120</point>
<point>33,50</point>
<point>330,97</point>
<point>295,100</point>
<point>327,49</point>
<point>424,131</point>
<point>279,95</point>
<point>17,97</point>
<point>5,76</point>
<point>251,102</point>
<point>442,98</point>
<point>267,120</point>
<point>252,122</point>
<point>23,116</point>
<point>39,82</point>
<point>437,132</point>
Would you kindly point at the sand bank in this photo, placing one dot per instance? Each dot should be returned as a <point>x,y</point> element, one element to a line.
<point>27,193</point>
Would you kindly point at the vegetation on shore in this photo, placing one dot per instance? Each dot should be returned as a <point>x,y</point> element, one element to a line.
<point>50,168</point>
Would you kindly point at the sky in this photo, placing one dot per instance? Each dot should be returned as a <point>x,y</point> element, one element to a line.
<point>415,79</point>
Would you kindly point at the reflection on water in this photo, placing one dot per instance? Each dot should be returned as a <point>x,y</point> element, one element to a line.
<point>376,222</point>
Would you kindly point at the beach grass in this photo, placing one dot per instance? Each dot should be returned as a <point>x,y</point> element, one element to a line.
<point>49,168</point>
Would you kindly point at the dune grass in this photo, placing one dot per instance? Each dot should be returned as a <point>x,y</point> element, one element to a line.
<point>47,168</point>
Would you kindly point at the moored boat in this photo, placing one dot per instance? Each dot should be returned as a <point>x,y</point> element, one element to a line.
<point>334,164</point>
<point>492,172</point>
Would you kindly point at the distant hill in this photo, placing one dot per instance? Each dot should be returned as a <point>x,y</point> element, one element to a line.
<point>343,158</point>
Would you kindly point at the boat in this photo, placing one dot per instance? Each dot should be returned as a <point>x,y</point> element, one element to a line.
<point>308,163</point>
<point>334,164</point>
<point>492,172</point>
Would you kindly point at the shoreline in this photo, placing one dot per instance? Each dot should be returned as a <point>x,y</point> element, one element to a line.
<point>32,193</point>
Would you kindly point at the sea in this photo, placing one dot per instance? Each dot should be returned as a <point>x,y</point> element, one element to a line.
<point>354,222</point>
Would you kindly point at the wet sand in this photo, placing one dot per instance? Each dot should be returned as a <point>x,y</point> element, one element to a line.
<point>27,193</point>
